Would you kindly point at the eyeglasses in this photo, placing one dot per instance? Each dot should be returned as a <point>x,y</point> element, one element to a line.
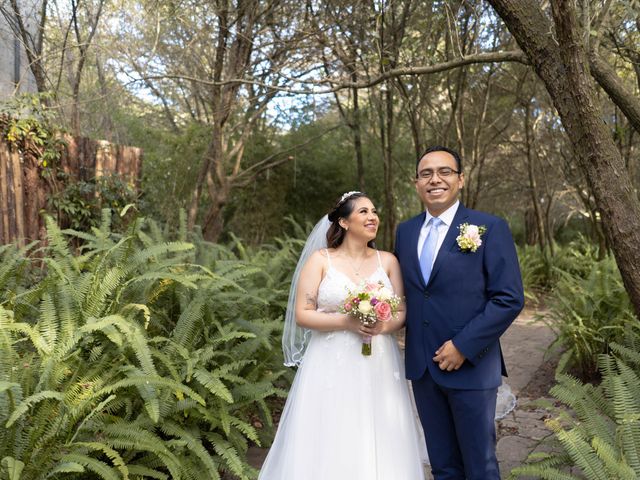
<point>442,172</point>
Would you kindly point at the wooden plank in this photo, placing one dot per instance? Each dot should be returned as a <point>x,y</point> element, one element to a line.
<point>11,201</point>
<point>33,188</point>
<point>120,161</point>
<point>138,170</point>
<point>23,193</point>
<point>16,163</point>
<point>69,156</point>
<point>4,206</point>
<point>101,166</point>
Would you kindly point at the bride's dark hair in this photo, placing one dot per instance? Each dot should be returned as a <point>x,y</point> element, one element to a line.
<point>342,209</point>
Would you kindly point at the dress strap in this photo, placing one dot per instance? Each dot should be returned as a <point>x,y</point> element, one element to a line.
<point>379,261</point>
<point>328,257</point>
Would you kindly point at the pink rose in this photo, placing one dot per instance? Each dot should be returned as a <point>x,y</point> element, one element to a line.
<point>383,311</point>
<point>348,307</point>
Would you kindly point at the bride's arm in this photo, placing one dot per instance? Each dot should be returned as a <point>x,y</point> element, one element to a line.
<point>307,300</point>
<point>392,268</point>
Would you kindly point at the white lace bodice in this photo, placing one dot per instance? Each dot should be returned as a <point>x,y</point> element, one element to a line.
<point>335,286</point>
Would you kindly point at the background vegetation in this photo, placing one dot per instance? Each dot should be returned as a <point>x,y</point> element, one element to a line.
<point>146,345</point>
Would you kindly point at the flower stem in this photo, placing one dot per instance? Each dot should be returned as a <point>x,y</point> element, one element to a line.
<point>366,345</point>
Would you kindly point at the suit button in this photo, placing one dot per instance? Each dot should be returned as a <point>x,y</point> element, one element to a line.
<point>426,322</point>
<point>426,294</point>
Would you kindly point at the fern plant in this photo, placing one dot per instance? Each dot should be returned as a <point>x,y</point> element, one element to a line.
<point>599,436</point>
<point>129,359</point>
<point>589,309</point>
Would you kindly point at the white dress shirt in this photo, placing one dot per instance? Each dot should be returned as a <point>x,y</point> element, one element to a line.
<point>443,228</point>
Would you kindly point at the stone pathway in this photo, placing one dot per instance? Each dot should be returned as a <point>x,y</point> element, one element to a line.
<point>524,345</point>
<point>521,432</point>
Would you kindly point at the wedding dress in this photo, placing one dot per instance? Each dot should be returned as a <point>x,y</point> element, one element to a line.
<point>348,416</point>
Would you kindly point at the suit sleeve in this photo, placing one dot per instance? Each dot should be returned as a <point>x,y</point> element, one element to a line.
<point>395,245</point>
<point>504,292</point>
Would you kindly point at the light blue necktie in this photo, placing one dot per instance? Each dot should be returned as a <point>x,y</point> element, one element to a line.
<point>429,248</point>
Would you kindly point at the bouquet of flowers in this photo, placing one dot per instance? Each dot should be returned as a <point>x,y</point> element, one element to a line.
<point>369,303</point>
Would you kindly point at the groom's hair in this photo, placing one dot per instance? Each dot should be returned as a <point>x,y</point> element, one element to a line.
<point>440,148</point>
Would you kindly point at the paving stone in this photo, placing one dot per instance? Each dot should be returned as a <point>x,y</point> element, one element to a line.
<point>511,450</point>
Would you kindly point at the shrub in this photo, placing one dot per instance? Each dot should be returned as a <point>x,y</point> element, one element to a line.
<point>541,271</point>
<point>589,309</point>
<point>130,359</point>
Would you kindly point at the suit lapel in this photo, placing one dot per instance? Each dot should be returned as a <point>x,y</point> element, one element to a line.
<point>449,241</point>
<point>416,227</point>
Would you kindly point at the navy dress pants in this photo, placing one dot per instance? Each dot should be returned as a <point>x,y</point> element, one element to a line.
<point>459,429</point>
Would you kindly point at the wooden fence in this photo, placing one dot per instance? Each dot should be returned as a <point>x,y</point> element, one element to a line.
<point>24,190</point>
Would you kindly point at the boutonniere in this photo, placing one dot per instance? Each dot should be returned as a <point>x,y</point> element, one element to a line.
<point>469,239</point>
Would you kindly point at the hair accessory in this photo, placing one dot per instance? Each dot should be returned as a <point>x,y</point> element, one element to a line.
<point>347,195</point>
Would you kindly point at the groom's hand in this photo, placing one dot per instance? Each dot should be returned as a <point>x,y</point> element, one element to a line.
<point>448,357</point>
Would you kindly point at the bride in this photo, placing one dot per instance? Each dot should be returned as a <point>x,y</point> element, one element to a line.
<point>347,416</point>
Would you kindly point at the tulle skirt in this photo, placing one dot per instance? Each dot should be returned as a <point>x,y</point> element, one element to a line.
<point>348,416</point>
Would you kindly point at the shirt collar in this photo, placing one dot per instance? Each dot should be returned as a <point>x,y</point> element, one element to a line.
<point>446,216</point>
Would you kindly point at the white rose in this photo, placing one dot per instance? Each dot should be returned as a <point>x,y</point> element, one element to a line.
<point>384,294</point>
<point>472,231</point>
<point>364,307</point>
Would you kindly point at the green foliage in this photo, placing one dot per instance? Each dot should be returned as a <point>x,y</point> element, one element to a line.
<point>79,205</point>
<point>600,434</point>
<point>535,269</point>
<point>171,162</point>
<point>542,271</point>
<point>139,357</point>
<point>589,308</point>
<point>28,124</point>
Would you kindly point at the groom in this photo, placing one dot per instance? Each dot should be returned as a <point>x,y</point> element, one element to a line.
<point>463,289</point>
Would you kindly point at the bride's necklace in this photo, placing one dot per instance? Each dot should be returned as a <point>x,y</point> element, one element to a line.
<point>356,270</point>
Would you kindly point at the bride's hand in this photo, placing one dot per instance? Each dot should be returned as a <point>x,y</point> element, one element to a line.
<point>375,329</point>
<point>352,324</point>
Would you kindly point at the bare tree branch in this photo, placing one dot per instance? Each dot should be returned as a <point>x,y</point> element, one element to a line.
<point>269,162</point>
<point>488,57</point>
<point>608,79</point>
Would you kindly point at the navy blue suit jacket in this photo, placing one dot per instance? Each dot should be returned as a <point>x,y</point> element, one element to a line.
<point>471,298</point>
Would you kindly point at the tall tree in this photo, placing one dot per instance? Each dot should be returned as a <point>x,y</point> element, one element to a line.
<point>554,43</point>
<point>392,23</point>
<point>340,32</point>
<point>28,25</point>
<point>77,24</point>
<point>218,63</point>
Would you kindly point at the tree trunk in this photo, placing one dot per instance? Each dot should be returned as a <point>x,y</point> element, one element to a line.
<point>15,17</point>
<point>218,186</point>
<point>386,136</point>
<point>213,223</point>
<point>530,227</point>
<point>356,129</point>
<point>562,65</point>
<point>529,133</point>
